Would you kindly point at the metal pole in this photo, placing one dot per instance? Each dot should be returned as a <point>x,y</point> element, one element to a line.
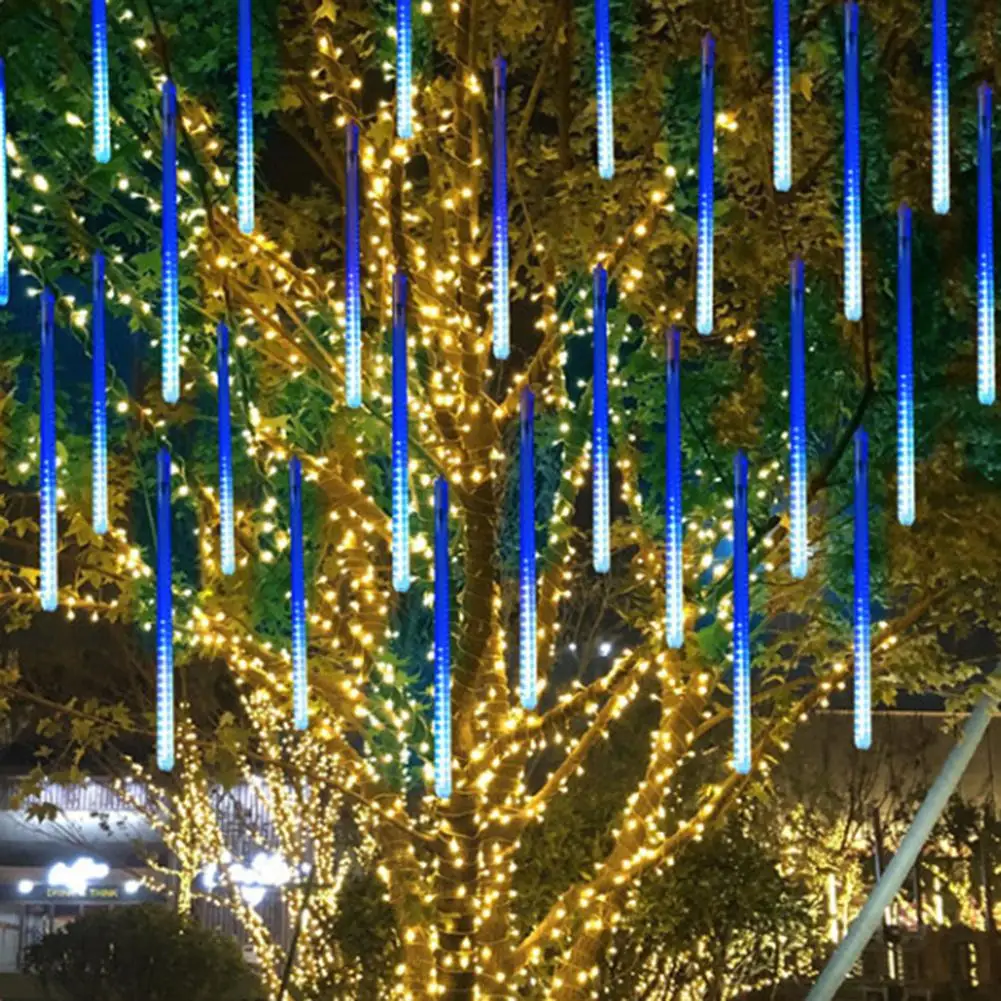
<point>864,926</point>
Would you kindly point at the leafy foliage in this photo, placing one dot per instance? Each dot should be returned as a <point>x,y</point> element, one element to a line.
<point>145,951</point>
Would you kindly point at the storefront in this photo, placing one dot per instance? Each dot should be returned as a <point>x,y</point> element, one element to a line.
<point>35,901</point>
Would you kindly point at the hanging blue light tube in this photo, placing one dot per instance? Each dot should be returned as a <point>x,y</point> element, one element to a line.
<point>501,278</point>
<point>164,618</point>
<point>245,124</point>
<point>939,107</point>
<point>48,488</point>
<point>300,677</point>
<point>798,540</point>
<point>99,67</point>
<point>98,405</point>
<point>352,270</point>
<point>442,646</point>
<point>401,450</point>
<point>863,654</point>
<point>599,427</point>
<point>905,371</point>
<point>781,109</point>
<point>170,335</point>
<point>985,248</point>
<point>674,574</point>
<point>4,234</point>
<point>404,69</point>
<point>853,170</point>
<point>227,545</point>
<point>527,619</point>
<point>741,622</point>
<point>707,170</point>
<point>603,78</point>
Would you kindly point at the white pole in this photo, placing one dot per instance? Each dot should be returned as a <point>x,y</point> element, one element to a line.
<point>886,889</point>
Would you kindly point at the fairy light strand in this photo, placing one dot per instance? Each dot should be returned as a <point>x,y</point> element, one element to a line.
<point>99,67</point>
<point>98,403</point>
<point>169,319</point>
<point>798,514</point>
<point>404,69</point>
<point>741,622</point>
<point>4,223</point>
<point>599,427</point>
<point>164,618</point>
<point>905,371</point>
<point>352,269</point>
<point>985,248</point>
<point>940,107</point>
<point>527,619</point>
<point>781,110</point>
<point>48,487</point>
<point>707,181</point>
<point>227,546</point>
<point>853,171</point>
<point>245,122</point>
<point>603,79</point>
<point>673,564</point>
<point>862,613</point>
<point>501,279</point>
<point>442,646</point>
<point>300,679</point>
<point>400,443</point>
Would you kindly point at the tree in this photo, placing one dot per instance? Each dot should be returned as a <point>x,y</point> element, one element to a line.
<point>449,866</point>
<point>146,951</point>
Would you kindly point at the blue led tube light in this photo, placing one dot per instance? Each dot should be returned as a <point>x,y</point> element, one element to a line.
<point>227,546</point>
<point>798,541</point>
<point>401,450</point>
<point>4,232</point>
<point>164,618</point>
<point>98,405</point>
<point>674,575</point>
<point>245,124</point>
<point>300,678</point>
<point>863,673</point>
<point>352,270</point>
<point>905,371</point>
<point>527,620</point>
<point>170,335</point>
<point>853,170</point>
<point>939,107</point>
<point>599,426</point>
<point>741,622</point>
<point>985,248</point>
<point>781,113</point>
<point>99,68</point>
<point>48,489</point>
<point>404,69</point>
<point>707,171</point>
<point>442,646</point>
<point>501,278</point>
<point>603,78</point>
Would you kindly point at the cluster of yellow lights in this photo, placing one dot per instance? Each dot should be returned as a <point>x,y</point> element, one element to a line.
<point>453,863</point>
